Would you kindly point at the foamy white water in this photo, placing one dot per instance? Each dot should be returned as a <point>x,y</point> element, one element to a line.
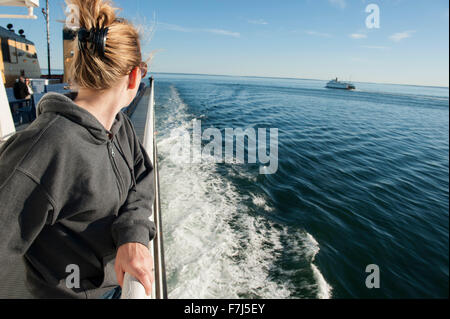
<point>215,246</point>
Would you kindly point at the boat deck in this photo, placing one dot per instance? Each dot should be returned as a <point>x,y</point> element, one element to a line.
<point>139,116</point>
<point>13,284</point>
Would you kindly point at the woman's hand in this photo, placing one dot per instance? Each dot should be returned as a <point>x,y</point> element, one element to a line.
<point>135,259</point>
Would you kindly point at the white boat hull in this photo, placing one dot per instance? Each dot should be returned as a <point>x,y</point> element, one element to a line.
<point>340,85</point>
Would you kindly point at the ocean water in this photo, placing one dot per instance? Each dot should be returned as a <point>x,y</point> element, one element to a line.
<point>363,178</point>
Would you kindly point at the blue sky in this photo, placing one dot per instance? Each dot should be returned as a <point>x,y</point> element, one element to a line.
<point>317,39</point>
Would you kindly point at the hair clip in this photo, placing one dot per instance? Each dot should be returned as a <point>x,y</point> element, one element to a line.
<point>97,36</point>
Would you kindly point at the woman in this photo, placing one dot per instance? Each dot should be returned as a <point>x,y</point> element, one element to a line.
<point>29,87</point>
<point>76,186</point>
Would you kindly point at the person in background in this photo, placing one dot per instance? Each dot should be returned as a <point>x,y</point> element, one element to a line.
<point>77,186</point>
<point>30,100</point>
<point>20,89</point>
<point>30,88</point>
<point>21,92</point>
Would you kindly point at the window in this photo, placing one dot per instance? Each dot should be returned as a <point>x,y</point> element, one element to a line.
<point>5,50</point>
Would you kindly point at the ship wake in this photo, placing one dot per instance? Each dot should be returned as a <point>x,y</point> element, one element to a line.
<point>216,243</point>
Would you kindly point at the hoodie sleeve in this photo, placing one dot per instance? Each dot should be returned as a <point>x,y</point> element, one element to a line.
<point>25,208</point>
<point>133,223</point>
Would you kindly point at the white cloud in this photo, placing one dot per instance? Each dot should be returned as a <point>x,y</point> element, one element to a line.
<point>222,32</point>
<point>399,36</point>
<point>318,34</point>
<point>259,21</point>
<point>174,27</point>
<point>358,36</point>
<point>338,3</point>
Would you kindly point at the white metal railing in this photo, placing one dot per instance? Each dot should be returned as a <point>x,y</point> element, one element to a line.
<point>132,288</point>
<point>7,127</point>
<point>30,4</point>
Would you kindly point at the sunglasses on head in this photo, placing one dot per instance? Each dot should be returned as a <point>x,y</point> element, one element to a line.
<point>143,67</point>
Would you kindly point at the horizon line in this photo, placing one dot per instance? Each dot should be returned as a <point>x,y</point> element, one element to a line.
<point>286,78</point>
<point>294,78</point>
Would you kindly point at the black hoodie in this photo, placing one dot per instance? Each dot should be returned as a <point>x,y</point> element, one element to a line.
<point>71,193</point>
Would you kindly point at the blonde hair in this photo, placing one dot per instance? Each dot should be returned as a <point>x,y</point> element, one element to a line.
<point>122,48</point>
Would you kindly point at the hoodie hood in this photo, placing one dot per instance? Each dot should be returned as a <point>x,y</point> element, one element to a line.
<point>60,104</point>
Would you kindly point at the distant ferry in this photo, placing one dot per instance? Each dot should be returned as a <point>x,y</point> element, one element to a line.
<point>335,84</point>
